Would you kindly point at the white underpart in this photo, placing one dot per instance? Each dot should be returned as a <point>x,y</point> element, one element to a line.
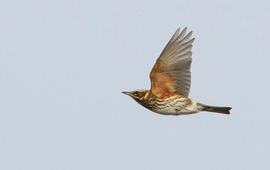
<point>178,107</point>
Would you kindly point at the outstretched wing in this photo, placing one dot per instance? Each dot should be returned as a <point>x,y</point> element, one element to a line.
<point>171,72</point>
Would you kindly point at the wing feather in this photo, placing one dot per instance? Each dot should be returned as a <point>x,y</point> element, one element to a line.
<point>171,72</point>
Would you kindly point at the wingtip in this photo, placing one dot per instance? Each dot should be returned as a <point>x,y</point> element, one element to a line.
<point>185,29</point>
<point>177,31</point>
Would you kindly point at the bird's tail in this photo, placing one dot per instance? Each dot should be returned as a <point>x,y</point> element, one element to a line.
<point>224,110</point>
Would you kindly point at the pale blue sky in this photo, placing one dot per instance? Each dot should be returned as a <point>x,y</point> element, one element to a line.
<point>63,65</point>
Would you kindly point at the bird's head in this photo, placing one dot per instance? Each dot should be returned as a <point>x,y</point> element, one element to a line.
<point>138,95</point>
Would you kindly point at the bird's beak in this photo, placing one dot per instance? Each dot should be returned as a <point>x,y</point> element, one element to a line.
<point>127,93</point>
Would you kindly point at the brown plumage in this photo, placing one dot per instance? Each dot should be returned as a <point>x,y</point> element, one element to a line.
<point>171,80</point>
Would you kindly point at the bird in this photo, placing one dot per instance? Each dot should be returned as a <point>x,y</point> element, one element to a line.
<point>171,80</point>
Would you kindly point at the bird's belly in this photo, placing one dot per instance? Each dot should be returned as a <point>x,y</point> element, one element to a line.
<point>175,111</point>
<point>177,108</point>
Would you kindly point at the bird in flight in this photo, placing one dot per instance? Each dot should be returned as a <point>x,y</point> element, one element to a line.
<point>170,81</point>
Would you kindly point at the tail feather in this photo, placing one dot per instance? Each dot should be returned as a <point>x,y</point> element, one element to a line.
<point>224,110</point>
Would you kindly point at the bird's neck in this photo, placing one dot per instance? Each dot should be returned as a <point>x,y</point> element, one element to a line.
<point>146,95</point>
